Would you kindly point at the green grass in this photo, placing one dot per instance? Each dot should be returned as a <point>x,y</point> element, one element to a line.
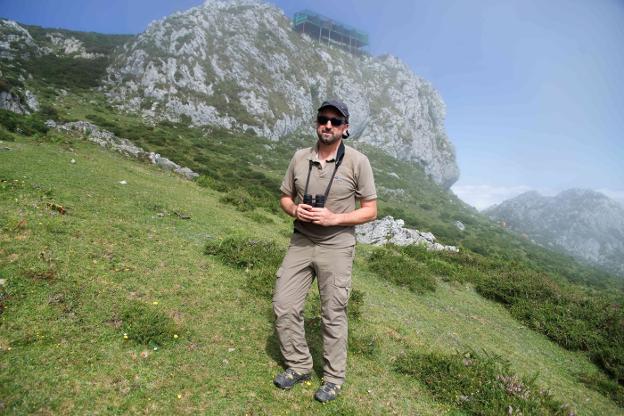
<point>70,280</point>
<point>115,260</point>
<point>390,264</point>
<point>480,384</point>
<point>259,259</point>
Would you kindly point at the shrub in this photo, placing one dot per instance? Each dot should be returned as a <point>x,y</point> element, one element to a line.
<point>240,199</point>
<point>260,218</point>
<point>354,308</point>
<point>479,384</point>
<point>367,345</point>
<point>68,72</point>
<point>147,324</point>
<point>401,270</point>
<point>576,319</point>
<point>27,125</point>
<point>260,260</point>
<point>49,112</point>
<point>5,136</point>
<point>607,387</point>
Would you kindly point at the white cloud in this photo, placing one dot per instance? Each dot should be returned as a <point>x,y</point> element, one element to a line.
<point>483,196</point>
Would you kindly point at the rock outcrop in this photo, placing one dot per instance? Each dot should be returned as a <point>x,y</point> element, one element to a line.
<point>110,141</point>
<point>391,231</point>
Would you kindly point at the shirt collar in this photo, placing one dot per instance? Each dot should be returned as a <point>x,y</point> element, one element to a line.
<point>313,155</point>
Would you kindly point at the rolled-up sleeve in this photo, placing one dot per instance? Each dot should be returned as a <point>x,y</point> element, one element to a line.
<point>288,183</point>
<point>365,181</point>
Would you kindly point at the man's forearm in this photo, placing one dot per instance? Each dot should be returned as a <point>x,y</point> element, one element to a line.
<point>323,216</point>
<point>288,206</point>
<point>357,217</point>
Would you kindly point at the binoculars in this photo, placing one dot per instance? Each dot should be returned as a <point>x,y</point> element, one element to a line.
<point>317,201</point>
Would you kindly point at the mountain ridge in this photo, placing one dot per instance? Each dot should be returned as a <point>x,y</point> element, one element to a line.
<point>581,222</point>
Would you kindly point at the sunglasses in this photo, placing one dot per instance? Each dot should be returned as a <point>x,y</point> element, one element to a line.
<point>335,121</point>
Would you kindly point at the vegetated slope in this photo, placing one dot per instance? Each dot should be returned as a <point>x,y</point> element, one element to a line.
<point>405,189</point>
<point>528,280</point>
<point>37,64</point>
<point>248,171</point>
<point>580,222</point>
<point>110,304</point>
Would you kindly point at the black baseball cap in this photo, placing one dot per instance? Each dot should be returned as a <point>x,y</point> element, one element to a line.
<point>338,105</point>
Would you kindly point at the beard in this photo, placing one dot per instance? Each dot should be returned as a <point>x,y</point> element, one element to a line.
<point>329,139</point>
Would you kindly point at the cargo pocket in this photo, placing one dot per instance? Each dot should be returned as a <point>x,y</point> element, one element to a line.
<point>342,289</point>
<point>342,276</point>
<point>342,280</point>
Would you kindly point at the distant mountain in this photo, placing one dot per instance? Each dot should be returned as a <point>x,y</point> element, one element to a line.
<point>583,223</point>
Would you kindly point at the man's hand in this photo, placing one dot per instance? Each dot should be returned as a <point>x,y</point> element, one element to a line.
<point>302,212</point>
<point>322,216</point>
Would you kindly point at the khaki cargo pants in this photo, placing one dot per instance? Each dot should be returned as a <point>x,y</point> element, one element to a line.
<point>332,268</point>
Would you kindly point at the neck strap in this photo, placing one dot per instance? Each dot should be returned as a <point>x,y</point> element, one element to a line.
<point>339,156</point>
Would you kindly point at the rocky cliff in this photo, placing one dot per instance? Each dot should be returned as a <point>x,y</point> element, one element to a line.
<point>583,223</point>
<point>239,65</point>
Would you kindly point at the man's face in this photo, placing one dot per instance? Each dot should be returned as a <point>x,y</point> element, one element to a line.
<point>328,133</point>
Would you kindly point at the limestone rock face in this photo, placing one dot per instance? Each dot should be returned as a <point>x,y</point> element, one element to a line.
<point>239,65</point>
<point>12,102</point>
<point>391,231</point>
<point>15,40</point>
<point>580,222</point>
<point>17,45</point>
<point>61,44</point>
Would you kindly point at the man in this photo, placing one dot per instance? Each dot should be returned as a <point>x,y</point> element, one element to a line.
<point>320,190</point>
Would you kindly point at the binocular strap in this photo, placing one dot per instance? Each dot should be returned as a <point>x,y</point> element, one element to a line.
<point>339,156</point>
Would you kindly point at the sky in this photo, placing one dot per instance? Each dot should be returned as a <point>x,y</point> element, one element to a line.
<point>534,89</point>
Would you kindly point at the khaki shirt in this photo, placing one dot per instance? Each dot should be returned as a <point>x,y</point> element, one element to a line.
<point>353,180</point>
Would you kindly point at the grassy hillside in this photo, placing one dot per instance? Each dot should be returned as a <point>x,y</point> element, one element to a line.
<point>199,331</point>
<point>111,301</point>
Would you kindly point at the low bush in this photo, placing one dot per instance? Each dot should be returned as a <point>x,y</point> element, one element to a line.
<point>391,264</point>
<point>479,384</point>
<point>147,324</point>
<point>602,384</point>
<point>5,136</point>
<point>366,345</point>
<point>27,125</point>
<point>68,72</point>
<point>258,258</point>
<point>575,319</point>
<point>239,199</point>
<point>354,308</point>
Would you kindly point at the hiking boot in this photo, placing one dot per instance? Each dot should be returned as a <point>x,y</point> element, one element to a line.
<point>289,378</point>
<point>328,391</point>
